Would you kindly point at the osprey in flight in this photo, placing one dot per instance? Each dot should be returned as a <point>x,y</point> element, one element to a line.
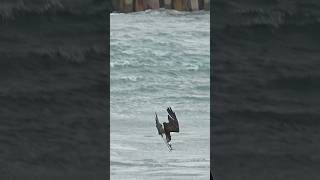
<point>171,126</point>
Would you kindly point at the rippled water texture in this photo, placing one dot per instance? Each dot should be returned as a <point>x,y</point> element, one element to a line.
<point>160,59</point>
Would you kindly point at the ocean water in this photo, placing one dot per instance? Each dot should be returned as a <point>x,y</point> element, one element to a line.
<point>266,89</point>
<point>158,59</point>
<point>53,92</point>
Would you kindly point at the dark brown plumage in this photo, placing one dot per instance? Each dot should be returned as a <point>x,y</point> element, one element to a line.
<point>172,126</point>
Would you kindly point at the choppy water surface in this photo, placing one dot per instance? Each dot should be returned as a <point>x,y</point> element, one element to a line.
<point>159,59</point>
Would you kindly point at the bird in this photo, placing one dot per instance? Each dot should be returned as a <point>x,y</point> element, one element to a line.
<point>171,126</point>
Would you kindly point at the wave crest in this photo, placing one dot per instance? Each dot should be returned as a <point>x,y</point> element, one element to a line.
<point>12,9</point>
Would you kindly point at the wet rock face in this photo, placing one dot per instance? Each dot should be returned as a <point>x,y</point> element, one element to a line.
<point>123,5</point>
<point>201,4</point>
<point>153,4</point>
<point>206,5</point>
<point>193,5</point>
<point>141,5</point>
<point>127,5</point>
<point>167,4</point>
<point>179,5</point>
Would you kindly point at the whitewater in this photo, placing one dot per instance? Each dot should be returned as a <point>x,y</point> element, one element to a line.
<point>159,58</point>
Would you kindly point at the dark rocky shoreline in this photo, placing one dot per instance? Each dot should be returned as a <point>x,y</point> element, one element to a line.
<point>141,5</point>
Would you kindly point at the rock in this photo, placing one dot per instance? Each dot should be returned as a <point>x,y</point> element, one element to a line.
<point>206,5</point>
<point>201,4</point>
<point>140,5</point>
<point>115,5</point>
<point>193,5</point>
<point>167,4</point>
<point>161,3</point>
<point>179,5</point>
<point>127,6</point>
<point>153,4</point>
<point>122,5</point>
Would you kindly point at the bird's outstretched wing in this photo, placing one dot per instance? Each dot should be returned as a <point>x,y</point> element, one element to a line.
<point>173,125</point>
<point>159,126</point>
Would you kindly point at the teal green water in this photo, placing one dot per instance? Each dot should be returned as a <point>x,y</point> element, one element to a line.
<point>160,59</point>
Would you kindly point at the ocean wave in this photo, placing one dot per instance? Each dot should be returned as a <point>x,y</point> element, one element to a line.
<point>163,12</point>
<point>272,15</point>
<point>47,60</point>
<point>128,79</point>
<point>67,55</point>
<point>10,10</point>
<point>265,116</point>
<point>192,98</point>
<point>295,83</point>
<point>133,64</point>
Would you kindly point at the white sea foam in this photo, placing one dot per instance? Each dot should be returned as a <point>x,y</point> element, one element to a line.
<point>159,59</point>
